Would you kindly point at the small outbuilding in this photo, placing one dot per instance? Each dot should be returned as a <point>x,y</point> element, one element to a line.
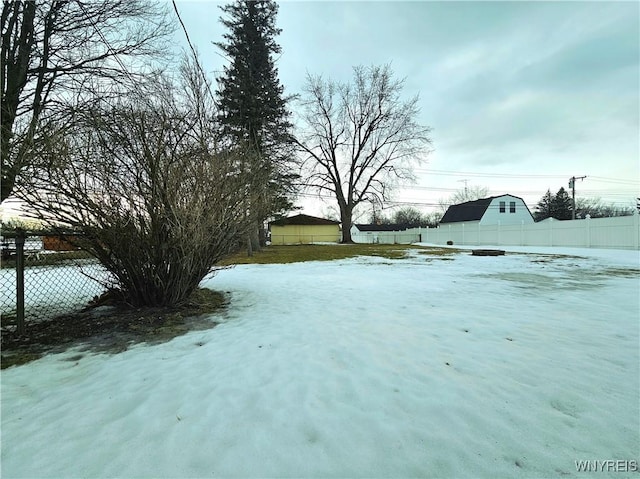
<point>503,210</point>
<point>304,229</point>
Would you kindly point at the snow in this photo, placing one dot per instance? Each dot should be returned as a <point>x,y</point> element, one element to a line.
<point>53,289</point>
<point>454,366</point>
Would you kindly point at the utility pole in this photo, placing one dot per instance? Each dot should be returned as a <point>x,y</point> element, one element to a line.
<point>466,198</point>
<point>572,185</point>
<point>374,215</point>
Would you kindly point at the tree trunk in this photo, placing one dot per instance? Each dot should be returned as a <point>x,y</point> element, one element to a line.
<point>254,238</point>
<point>345,218</point>
<point>249,246</point>
<point>19,32</point>
<point>262,236</point>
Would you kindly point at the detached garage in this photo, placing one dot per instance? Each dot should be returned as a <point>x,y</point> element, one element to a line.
<point>304,229</point>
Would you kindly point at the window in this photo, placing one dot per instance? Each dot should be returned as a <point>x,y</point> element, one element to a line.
<point>503,208</point>
<point>512,207</point>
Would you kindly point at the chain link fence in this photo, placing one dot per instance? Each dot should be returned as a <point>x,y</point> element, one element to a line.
<point>43,276</point>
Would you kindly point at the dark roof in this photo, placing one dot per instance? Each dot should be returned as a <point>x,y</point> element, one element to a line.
<point>467,211</point>
<point>470,210</point>
<point>303,220</point>
<point>375,227</point>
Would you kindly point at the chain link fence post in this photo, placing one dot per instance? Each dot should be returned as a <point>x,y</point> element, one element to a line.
<point>20,238</point>
<point>43,276</point>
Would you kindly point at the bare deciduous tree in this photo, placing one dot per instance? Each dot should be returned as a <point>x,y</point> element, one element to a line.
<point>51,50</point>
<point>596,208</point>
<point>409,216</point>
<point>361,138</point>
<point>468,193</point>
<point>143,179</point>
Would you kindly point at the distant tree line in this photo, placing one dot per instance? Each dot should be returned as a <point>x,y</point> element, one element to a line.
<point>407,216</point>
<point>596,208</point>
<point>560,207</point>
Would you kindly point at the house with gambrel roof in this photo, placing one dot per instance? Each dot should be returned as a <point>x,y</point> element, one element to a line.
<point>502,210</point>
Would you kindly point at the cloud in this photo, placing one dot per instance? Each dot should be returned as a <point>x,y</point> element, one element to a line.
<point>541,85</point>
<point>518,86</point>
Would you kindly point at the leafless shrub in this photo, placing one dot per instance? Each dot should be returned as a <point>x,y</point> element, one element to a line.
<point>143,178</point>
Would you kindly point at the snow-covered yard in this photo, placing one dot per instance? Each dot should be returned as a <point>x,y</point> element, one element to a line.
<point>454,366</point>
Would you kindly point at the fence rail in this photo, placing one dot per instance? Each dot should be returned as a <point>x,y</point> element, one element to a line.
<point>44,276</point>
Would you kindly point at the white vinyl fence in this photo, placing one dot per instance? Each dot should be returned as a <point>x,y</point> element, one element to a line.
<point>388,237</point>
<point>621,232</point>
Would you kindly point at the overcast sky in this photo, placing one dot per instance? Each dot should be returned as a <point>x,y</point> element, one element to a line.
<point>520,95</point>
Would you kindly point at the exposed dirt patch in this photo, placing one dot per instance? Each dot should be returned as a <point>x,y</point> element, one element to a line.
<point>565,272</point>
<point>435,251</point>
<point>621,272</point>
<point>110,328</point>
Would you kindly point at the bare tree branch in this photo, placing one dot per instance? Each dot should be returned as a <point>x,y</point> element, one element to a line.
<point>51,51</point>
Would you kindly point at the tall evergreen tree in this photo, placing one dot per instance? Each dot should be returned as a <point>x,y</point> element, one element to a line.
<point>253,110</point>
<point>558,206</point>
<point>544,208</point>
<point>562,205</point>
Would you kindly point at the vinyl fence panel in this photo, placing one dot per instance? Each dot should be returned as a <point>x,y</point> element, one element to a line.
<point>621,232</point>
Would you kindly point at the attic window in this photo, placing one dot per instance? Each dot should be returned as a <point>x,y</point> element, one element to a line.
<point>503,207</point>
<point>512,207</point>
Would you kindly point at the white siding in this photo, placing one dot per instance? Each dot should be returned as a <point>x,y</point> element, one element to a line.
<point>493,216</point>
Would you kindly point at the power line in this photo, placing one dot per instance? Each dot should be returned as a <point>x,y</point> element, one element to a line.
<point>466,186</point>
<point>108,45</point>
<point>487,175</point>
<point>193,51</point>
<point>514,176</point>
<point>432,204</point>
<point>603,179</point>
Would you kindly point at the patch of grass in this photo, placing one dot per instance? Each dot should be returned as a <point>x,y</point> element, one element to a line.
<point>18,357</point>
<point>203,301</point>
<point>548,258</point>
<point>8,318</point>
<point>620,272</point>
<point>436,258</point>
<point>435,251</point>
<point>300,253</point>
